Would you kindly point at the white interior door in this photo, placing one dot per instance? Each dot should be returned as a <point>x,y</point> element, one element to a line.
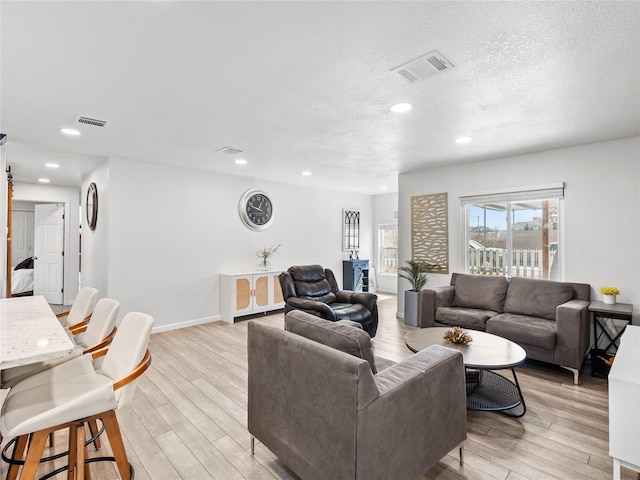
<point>48,274</point>
<point>21,236</point>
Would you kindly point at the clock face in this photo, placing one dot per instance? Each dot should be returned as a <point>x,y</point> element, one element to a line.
<point>256,209</point>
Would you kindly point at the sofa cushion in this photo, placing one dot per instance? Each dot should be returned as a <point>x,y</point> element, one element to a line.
<point>533,331</point>
<point>327,298</point>
<point>464,317</point>
<point>352,311</point>
<point>536,298</point>
<point>310,281</point>
<point>481,292</point>
<point>338,335</point>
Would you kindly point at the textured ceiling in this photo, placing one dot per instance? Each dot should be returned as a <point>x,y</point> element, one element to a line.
<point>308,85</point>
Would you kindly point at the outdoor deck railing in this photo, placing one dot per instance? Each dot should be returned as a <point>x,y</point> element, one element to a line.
<point>493,261</point>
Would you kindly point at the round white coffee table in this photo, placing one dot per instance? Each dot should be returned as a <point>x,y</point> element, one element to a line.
<point>486,389</point>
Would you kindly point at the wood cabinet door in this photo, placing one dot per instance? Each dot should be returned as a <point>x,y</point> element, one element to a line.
<point>243,294</point>
<point>262,296</point>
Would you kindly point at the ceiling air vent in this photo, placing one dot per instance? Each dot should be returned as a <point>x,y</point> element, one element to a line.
<point>83,120</point>
<point>423,67</point>
<point>229,150</point>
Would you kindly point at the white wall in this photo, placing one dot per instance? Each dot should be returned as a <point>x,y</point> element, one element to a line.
<point>169,233</point>
<point>95,244</point>
<point>601,219</point>
<point>70,197</point>
<point>385,208</point>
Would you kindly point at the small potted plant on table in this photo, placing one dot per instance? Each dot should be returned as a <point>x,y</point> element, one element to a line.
<point>609,294</point>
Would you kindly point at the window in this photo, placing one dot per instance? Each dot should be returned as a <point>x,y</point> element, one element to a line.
<point>388,248</point>
<point>514,233</point>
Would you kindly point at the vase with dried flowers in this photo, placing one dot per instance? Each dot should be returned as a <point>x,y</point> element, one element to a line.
<point>609,294</point>
<point>265,254</point>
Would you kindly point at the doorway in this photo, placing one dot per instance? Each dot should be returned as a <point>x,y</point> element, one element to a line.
<point>37,250</point>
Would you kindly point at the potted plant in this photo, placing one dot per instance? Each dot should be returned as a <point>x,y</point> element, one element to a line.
<point>416,273</point>
<point>609,294</point>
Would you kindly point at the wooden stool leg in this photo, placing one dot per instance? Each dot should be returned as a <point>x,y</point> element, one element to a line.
<point>17,455</point>
<point>34,454</point>
<point>80,451</point>
<point>93,429</point>
<point>110,422</point>
<point>73,452</point>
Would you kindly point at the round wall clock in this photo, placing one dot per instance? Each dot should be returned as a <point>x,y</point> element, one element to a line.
<point>256,209</point>
<point>92,206</point>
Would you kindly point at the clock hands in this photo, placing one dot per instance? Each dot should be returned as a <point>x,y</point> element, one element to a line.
<point>259,209</point>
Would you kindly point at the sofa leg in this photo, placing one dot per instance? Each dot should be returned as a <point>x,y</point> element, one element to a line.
<point>576,374</point>
<point>462,454</point>
<point>253,445</point>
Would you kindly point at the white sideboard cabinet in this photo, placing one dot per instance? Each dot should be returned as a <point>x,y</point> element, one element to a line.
<point>248,293</point>
<point>624,403</point>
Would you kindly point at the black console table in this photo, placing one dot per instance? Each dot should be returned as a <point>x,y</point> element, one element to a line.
<point>355,275</point>
<point>602,313</point>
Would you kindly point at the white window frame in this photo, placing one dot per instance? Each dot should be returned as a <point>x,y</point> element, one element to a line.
<point>544,192</point>
<point>380,249</point>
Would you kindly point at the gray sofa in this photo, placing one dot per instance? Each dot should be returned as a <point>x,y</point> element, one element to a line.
<point>316,401</point>
<point>550,320</point>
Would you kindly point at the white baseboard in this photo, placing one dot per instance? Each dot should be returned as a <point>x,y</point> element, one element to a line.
<point>189,323</point>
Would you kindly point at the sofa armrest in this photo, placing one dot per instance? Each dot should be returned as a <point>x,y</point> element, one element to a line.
<point>421,411</point>
<point>415,366</point>
<point>572,333</point>
<point>432,299</point>
<point>369,300</point>
<point>364,298</point>
<point>316,308</point>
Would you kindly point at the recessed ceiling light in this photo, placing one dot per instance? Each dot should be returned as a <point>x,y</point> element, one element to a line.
<point>70,131</point>
<point>383,187</point>
<point>240,161</point>
<point>306,173</point>
<point>43,180</point>
<point>400,107</point>
<point>52,165</point>
<point>462,140</point>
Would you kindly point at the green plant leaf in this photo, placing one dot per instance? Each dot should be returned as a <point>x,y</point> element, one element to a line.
<point>416,273</point>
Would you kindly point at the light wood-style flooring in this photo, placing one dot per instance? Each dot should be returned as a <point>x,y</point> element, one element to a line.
<point>188,419</point>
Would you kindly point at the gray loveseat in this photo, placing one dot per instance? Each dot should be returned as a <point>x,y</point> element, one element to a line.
<point>316,403</point>
<point>550,320</point>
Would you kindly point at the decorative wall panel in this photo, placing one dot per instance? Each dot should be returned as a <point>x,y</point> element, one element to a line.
<point>430,230</point>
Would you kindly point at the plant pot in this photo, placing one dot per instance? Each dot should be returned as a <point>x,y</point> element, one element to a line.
<point>609,299</point>
<point>412,307</point>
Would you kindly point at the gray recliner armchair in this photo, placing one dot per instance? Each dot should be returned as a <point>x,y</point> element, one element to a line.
<point>325,414</point>
<point>314,289</point>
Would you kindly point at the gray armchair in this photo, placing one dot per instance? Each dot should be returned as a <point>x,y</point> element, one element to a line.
<point>325,414</point>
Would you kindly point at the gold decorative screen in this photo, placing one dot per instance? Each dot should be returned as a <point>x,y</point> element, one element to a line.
<point>430,230</point>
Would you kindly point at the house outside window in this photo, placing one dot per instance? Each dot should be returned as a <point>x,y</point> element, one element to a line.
<point>514,233</point>
<point>388,249</point>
